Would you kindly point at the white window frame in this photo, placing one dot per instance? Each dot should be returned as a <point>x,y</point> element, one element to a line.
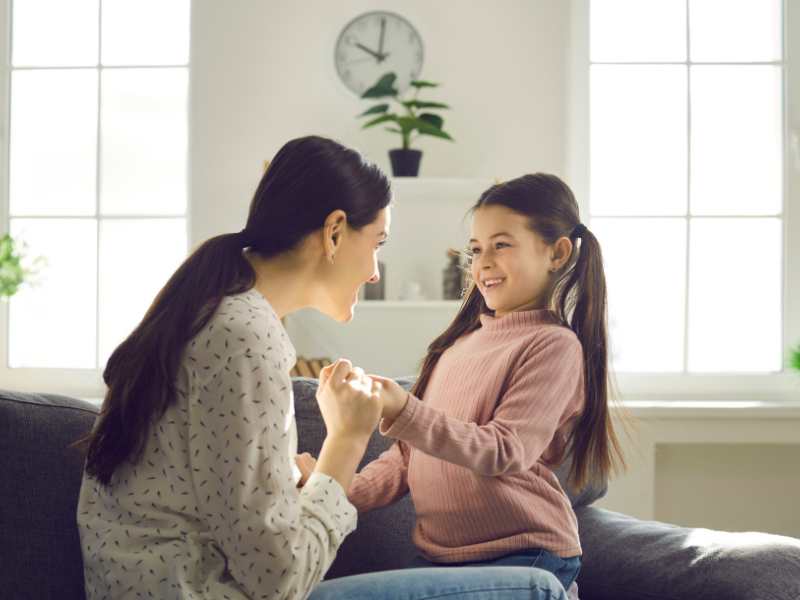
<point>783,386</point>
<point>81,383</point>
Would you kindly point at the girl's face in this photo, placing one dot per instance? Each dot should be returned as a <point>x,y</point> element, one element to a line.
<point>355,263</point>
<point>510,263</point>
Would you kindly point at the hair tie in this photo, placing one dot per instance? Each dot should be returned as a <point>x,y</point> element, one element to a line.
<point>579,230</point>
<point>244,238</point>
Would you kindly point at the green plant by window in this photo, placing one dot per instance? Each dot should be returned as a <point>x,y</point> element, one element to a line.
<point>12,271</point>
<point>794,358</point>
<point>415,115</point>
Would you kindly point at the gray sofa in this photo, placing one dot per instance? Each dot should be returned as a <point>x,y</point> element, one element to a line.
<point>624,558</point>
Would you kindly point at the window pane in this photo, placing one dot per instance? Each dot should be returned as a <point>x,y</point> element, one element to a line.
<point>53,142</point>
<point>741,31</point>
<point>53,324</point>
<point>638,30</point>
<point>55,33</point>
<point>144,141</point>
<point>735,295</point>
<point>145,32</point>
<point>137,257</point>
<point>737,148</point>
<point>638,140</point>
<point>645,265</point>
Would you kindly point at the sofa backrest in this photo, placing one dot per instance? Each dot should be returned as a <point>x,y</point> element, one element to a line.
<point>40,480</point>
<point>40,476</point>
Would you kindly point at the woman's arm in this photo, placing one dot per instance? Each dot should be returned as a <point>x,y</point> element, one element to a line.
<point>536,402</point>
<point>278,540</point>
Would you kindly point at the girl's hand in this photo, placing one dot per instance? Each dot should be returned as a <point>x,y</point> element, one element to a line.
<point>393,397</point>
<point>306,463</point>
<point>349,401</point>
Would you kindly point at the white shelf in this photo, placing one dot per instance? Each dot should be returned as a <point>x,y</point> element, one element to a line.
<point>403,304</point>
<point>444,180</point>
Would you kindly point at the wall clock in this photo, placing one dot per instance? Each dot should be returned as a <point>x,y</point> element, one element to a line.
<point>376,43</point>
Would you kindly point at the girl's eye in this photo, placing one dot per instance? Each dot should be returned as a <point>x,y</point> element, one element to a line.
<point>473,251</point>
<point>501,244</point>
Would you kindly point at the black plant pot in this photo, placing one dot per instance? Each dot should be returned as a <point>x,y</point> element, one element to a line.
<point>405,163</point>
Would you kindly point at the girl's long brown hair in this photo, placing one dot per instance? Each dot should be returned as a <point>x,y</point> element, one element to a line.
<point>308,179</point>
<point>579,300</point>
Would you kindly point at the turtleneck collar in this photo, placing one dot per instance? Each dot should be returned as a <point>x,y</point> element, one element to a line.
<point>517,320</point>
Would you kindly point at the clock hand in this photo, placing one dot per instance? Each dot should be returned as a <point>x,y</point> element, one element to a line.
<point>380,43</point>
<point>368,51</point>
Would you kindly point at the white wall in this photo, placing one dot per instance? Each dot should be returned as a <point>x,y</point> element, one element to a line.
<point>263,73</point>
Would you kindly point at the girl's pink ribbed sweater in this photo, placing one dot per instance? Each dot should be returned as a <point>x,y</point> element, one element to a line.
<point>476,455</point>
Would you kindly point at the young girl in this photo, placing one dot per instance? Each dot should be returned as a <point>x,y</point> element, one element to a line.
<point>516,382</point>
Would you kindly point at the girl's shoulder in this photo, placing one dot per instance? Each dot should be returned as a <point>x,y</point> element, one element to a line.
<point>554,339</point>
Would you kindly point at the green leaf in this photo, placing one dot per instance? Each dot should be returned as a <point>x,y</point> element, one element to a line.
<point>423,104</point>
<point>434,120</point>
<point>394,130</point>
<point>426,128</point>
<point>423,84</point>
<point>378,108</point>
<point>379,120</point>
<point>382,89</point>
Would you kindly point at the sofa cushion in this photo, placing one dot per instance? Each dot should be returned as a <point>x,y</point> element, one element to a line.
<point>628,559</point>
<point>40,477</point>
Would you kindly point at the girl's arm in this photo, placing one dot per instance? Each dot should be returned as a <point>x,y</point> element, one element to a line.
<point>383,481</point>
<point>545,390</point>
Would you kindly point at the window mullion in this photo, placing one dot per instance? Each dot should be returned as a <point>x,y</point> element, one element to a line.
<point>687,278</point>
<point>97,183</point>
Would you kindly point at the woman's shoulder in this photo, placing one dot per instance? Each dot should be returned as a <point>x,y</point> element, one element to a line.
<point>242,324</point>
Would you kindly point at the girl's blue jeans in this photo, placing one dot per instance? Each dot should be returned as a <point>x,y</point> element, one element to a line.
<point>529,575</point>
<point>565,569</point>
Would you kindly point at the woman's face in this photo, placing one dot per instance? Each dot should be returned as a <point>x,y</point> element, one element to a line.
<point>355,263</point>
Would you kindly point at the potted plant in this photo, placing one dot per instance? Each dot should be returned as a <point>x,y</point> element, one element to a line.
<point>414,117</point>
<point>794,358</point>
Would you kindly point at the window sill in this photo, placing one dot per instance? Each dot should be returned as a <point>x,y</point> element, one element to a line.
<point>713,409</point>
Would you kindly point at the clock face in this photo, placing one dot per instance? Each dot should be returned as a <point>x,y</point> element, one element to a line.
<point>374,44</point>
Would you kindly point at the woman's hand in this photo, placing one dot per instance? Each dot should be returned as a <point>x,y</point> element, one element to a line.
<point>349,401</point>
<point>350,404</point>
<point>393,397</point>
<point>306,463</point>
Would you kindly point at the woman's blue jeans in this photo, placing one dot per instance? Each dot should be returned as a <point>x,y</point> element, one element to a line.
<point>473,583</point>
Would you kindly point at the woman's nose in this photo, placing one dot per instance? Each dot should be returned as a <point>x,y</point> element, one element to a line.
<point>376,277</point>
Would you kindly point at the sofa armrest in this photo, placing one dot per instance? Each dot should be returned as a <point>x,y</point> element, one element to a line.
<point>625,558</point>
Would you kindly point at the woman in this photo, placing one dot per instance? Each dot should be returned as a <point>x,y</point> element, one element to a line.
<point>190,487</point>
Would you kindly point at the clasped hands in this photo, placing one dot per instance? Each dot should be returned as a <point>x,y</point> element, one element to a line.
<point>352,403</point>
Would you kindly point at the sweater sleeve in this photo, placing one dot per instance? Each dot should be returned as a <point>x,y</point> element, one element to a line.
<point>278,541</point>
<point>383,481</point>
<point>544,391</point>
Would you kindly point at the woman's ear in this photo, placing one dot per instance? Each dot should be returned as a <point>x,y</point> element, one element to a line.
<point>332,232</point>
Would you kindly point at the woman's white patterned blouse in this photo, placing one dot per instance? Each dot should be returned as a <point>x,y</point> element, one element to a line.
<point>211,510</point>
